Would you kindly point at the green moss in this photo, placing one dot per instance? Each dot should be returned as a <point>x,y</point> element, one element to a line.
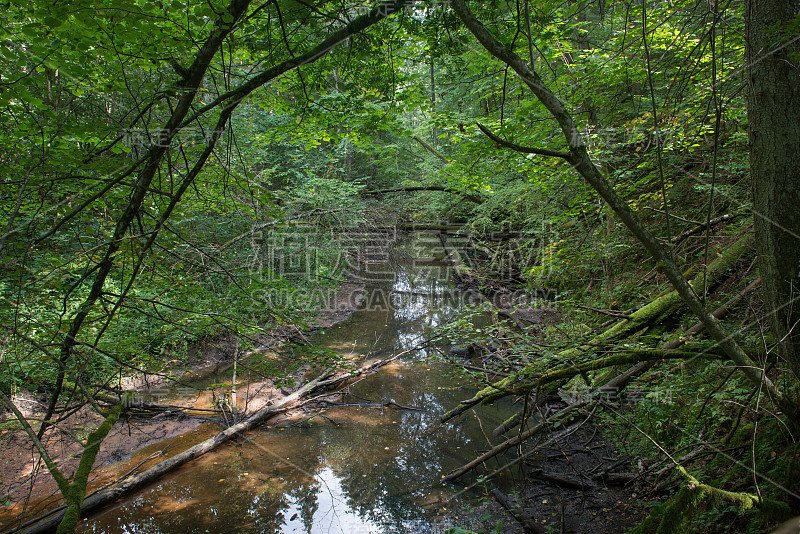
<point>75,492</point>
<point>11,425</point>
<point>671,517</point>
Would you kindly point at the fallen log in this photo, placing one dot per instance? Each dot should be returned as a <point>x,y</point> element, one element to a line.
<point>712,223</point>
<point>161,408</point>
<point>516,440</point>
<point>50,521</point>
<point>558,377</point>
<point>622,380</point>
<point>615,384</point>
<point>530,407</point>
<point>148,476</point>
<point>653,313</point>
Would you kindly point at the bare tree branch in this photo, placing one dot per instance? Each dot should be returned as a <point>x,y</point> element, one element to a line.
<point>523,149</point>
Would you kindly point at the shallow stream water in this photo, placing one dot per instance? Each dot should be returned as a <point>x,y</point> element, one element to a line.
<point>359,467</point>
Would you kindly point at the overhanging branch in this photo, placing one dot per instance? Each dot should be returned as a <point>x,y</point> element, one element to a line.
<point>357,25</point>
<point>524,149</point>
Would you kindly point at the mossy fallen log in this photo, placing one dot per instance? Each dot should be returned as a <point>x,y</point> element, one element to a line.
<point>549,382</point>
<point>558,417</point>
<point>525,380</point>
<point>615,384</point>
<point>620,380</point>
<point>626,357</point>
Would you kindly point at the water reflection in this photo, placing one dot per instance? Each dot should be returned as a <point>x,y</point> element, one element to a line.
<point>352,469</point>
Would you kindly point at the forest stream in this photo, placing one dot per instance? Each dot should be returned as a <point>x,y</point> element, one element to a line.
<point>364,465</point>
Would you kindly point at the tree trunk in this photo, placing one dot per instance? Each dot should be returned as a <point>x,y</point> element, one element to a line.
<point>773,60</point>
<point>583,164</point>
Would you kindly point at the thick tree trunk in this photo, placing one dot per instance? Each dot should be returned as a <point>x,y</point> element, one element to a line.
<point>773,60</point>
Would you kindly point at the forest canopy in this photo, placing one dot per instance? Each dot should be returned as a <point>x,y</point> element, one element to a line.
<point>607,152</point>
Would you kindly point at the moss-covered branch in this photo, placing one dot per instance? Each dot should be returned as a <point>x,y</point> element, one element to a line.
<point>671,517</point>
<point>76,491</point>
<point>73,492</point>
<point>653,313</point>
<point>626,357</point>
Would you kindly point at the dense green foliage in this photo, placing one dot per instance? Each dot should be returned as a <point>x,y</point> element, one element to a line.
<point>247,222</point>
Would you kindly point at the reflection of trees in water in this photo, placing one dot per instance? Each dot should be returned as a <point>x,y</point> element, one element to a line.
<point>385,487</point>
<point>164,510</point>
<point>248,494</point>
<point>306,497</point>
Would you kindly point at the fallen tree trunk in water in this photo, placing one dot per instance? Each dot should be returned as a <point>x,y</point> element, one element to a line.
<point>49,521</point>
<point>516,440</point>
